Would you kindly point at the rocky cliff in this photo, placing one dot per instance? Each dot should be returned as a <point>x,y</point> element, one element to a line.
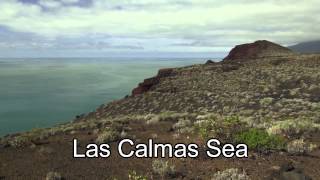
<point>147,84</point>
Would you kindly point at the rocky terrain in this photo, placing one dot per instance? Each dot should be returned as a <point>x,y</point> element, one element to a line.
<point>261,94</point>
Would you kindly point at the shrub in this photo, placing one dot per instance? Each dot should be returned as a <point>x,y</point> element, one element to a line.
<point>205,128</point>
<point>174,116</point>
<point>231,120</point>
<point>3,141</point>
<point>259,139</point>
<point>182,123</point>
<point>183,126</point>
<point>134,176</point>
<point>153,120</point>
<point>300,147</point>
<point>19,141</point>
<point>230,174</point>
<point>162,168</point>
<point>53,176</point>
<point>108,136</point>
<point>169,116</point>
<point>222,127</point>
<point>293,127</point>
<point>266,101</point>
<point>123,134</point>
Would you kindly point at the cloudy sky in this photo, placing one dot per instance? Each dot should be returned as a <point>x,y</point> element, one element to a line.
<point>42,28</point>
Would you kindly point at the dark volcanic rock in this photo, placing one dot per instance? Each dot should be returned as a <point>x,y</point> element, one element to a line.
<point>150,82</point>
<point>257,49</point>
<point>145,86</point>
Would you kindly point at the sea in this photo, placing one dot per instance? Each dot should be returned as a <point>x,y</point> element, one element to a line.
<point>43,92</point>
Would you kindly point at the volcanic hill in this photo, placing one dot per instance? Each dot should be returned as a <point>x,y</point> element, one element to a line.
<point>261,94</point>
<point>257,49</point>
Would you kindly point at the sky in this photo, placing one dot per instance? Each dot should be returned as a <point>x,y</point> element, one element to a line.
<point>181,28</point>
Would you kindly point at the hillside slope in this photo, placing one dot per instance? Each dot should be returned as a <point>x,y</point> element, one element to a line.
<point>306,47</point>
<point>270,103</point>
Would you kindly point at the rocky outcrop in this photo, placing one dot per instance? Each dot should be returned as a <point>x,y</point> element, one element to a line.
<point>258,49</point>
<point>150,82</point>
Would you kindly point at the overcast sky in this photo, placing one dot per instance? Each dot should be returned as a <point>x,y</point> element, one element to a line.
<point>38,28</point>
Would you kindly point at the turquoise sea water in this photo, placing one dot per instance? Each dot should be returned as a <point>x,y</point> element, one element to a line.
<point>44,92</point>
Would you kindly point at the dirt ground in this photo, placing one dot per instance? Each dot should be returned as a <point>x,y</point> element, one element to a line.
<point>56,154</point>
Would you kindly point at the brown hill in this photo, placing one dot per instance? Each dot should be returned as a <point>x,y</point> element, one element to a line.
<point>258,49</point>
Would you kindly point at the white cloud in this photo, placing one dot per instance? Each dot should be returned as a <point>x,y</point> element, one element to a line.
<point>213,22</point>
<point>50,3</point>
<point>69,1</point>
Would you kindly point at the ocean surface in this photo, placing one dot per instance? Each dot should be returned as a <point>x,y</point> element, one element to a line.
<point>37,93</point>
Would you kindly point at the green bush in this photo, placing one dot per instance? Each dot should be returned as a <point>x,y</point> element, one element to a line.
<point>259,139</point>
<point>205,128</point>
<point>232,120</point>
<point>220,127</point>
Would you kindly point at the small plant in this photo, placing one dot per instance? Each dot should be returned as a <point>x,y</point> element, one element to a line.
<point>18,141</point>
<point>183,126</point>
<point>265,102</point>
<point>230,174</point>
<point>54,176</point>
<point>108,136</point>
<point>162,168</point>
<point>231,120</point>
<point>153,120</point>
<point>133,175</point>
<point>172,116</point>
<point>293,127</point>
<point>300,147</point>
<point>222,127</point>
<point>259,139</point>
<point>205,128</point>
